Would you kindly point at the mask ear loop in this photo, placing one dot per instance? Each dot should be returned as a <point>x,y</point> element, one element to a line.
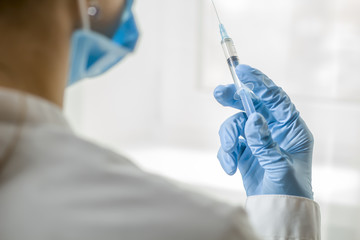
<point>85,19</point>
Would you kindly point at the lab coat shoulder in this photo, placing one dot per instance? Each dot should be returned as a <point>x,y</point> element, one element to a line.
<point>77,190</point>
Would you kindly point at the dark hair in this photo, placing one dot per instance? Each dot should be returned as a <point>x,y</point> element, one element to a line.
<point>19,13</point>
<point>11,7</point>
<point>12,4</point>
<point>8,7</point>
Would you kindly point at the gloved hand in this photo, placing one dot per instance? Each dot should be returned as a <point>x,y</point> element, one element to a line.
<point>273,147</point>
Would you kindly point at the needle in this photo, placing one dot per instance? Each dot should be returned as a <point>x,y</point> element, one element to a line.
<point>217,14</point>
<point>222,27</point>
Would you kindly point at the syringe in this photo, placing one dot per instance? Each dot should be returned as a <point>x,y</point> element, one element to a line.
<point>233,61</point>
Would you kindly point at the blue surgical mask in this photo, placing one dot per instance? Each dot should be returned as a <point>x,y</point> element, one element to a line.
<point>92,53</point>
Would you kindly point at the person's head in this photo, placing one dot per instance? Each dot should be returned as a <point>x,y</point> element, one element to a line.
<point>36,39</point>
<point>21,13</point>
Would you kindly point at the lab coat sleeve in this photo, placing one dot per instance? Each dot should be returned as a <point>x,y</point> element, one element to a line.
<point>284,217</point>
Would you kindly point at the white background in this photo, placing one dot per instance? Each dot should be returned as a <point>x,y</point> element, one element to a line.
<point>157,105</point>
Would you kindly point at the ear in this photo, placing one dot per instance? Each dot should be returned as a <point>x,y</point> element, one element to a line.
<point>108,18</point>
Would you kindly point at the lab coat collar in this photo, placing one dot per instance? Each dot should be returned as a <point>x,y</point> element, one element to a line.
<point>19,108</point>
<point>18,111</point>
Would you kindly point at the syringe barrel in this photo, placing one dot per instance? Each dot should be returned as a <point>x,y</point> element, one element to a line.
<point>232,59</point>
<point>231,55</point>
<point>229,48</point>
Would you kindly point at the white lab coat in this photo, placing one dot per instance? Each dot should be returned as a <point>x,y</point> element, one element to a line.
<point>56,186</point>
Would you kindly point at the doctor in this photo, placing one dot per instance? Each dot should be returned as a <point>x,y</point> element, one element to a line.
<point>57,186</point>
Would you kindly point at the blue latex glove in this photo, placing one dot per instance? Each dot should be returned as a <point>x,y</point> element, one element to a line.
<point>273,147</point>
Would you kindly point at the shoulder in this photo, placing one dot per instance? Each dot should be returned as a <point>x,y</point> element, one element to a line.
<point>53,143</point>
<point>95,193</point>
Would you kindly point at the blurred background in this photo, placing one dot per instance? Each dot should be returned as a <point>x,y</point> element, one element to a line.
<point>156,107</point>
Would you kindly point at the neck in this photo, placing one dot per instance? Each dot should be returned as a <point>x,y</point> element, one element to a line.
<point>35,52</point>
